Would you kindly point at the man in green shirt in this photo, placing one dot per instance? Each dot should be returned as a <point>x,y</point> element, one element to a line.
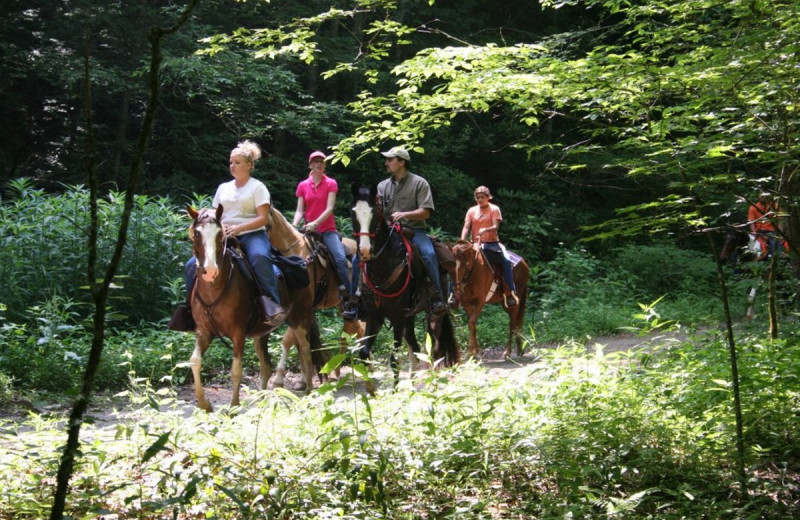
<point>406,198</point>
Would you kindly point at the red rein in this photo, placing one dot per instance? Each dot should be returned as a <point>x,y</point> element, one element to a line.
<point>407,245</point>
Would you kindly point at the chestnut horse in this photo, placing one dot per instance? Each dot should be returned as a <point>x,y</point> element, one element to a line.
<point>224,304</point>
<point>395,286</point>
<point>324,288</point>
<point>473,285</point>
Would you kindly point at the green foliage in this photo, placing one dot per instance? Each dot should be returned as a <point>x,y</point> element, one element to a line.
<point>45,253</point>
<point>51,355</point>
<point>660,269</point>
<point>584,435</point>
<point>579,295</point>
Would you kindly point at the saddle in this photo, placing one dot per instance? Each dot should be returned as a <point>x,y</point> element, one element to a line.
<point>444,255</point>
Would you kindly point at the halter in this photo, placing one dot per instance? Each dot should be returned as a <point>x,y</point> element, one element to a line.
<point>209,307</point>
<point>405,264</point>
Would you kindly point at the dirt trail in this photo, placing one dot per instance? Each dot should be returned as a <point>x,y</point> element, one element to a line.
<point>219,394</point>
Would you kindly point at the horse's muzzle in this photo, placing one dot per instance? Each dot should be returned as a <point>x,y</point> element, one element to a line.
<point>209,274</point>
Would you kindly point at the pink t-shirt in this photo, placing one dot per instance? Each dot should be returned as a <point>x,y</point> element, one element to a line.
<point>315,199</point>
<point>478,218</point>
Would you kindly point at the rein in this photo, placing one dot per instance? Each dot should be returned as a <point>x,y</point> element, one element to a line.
<point>405,264</point>
<point>209,307</point>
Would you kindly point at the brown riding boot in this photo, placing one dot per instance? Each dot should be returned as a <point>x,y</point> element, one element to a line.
<point>272,314</point>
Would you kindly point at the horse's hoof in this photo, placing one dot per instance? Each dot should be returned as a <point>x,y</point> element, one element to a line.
<point>363,353</point>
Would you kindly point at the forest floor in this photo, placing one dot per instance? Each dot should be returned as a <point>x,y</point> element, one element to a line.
<point>109,409</point>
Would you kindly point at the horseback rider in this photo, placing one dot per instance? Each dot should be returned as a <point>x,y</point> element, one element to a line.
<point>482,223</point>
<point>407,199</point>
<point>246,202</point>
<point>316,199</point>
<point>764,216</point>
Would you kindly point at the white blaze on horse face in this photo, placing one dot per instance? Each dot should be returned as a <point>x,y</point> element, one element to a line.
<point>363,215</point>
<point>210,269</point>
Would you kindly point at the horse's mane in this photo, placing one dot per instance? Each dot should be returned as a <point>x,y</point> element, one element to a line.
<point>278,216</point>
<point>461,247</point>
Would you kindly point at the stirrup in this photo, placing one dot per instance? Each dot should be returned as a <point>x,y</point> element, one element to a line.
<point>512,301</point>
<point>349,313</point>
<point>438,307</point>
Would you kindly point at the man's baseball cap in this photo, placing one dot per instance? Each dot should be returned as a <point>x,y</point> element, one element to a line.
<point>397,151</point>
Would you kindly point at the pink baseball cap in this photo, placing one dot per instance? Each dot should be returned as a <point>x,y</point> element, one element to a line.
<point>315,155</point>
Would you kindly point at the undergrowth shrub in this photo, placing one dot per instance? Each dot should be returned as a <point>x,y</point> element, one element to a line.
<point>580,295</point>
<point>45,250</point>
<point>664,269</point>
<point>576,435</point>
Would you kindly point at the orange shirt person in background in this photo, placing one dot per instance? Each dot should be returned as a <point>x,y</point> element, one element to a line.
<point>764,217</point>
<point>481,224</point>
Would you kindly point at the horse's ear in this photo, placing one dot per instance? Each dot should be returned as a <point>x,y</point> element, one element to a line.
<point>219,213</point>
<point>373,192</point>
<point>192,212</point>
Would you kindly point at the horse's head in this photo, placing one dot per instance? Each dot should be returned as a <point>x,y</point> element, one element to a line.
<point>366,215</point>
<point>206,236</point>
<point>466,254</point>
<point>735,239</point>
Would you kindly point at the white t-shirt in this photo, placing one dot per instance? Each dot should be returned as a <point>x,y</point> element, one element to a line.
<point>239,204</point>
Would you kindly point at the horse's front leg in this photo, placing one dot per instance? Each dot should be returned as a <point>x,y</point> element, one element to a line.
<point>236,367</point>
<point>373,325</point>
<point>473,311</point>
<point>751,299</point>
<point>201,341</point>
<point>304,353</point>
<point>413,345</point>
<point>261,345</point>
<point>280,371</point>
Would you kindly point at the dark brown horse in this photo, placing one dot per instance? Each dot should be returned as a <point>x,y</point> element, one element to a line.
<point>224,304</point>
<point>395,286</point>
<point>477,283</point>
<point>324,287</point>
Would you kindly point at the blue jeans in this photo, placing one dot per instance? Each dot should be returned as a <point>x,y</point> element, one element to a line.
<point>336,249</point>
<point>508,274</point>
<point>256,246</point>
<point>773,242</point>
<point>425,248</point>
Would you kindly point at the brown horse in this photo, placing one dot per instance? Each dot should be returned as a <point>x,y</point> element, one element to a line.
<point>324,287</point>
<point>474,281</point>
<point>224,304</point>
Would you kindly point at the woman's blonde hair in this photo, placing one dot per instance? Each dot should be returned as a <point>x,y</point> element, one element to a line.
<point>249,150</point>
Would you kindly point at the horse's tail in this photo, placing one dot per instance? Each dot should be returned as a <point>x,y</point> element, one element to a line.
<point>319,354</point>
<point>447,344</point>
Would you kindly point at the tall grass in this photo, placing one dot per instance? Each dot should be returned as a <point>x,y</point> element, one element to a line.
<point>45,251</point>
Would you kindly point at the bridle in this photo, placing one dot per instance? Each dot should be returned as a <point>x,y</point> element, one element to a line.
<point>461,282</point>
<point>208,308</point>
<point>405,264</point>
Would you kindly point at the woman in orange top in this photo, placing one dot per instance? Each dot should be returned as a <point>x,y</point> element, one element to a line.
<point>481,224</point>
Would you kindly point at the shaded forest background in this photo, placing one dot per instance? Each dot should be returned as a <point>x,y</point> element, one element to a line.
<point>209,101</point>
<point>638,123</point>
